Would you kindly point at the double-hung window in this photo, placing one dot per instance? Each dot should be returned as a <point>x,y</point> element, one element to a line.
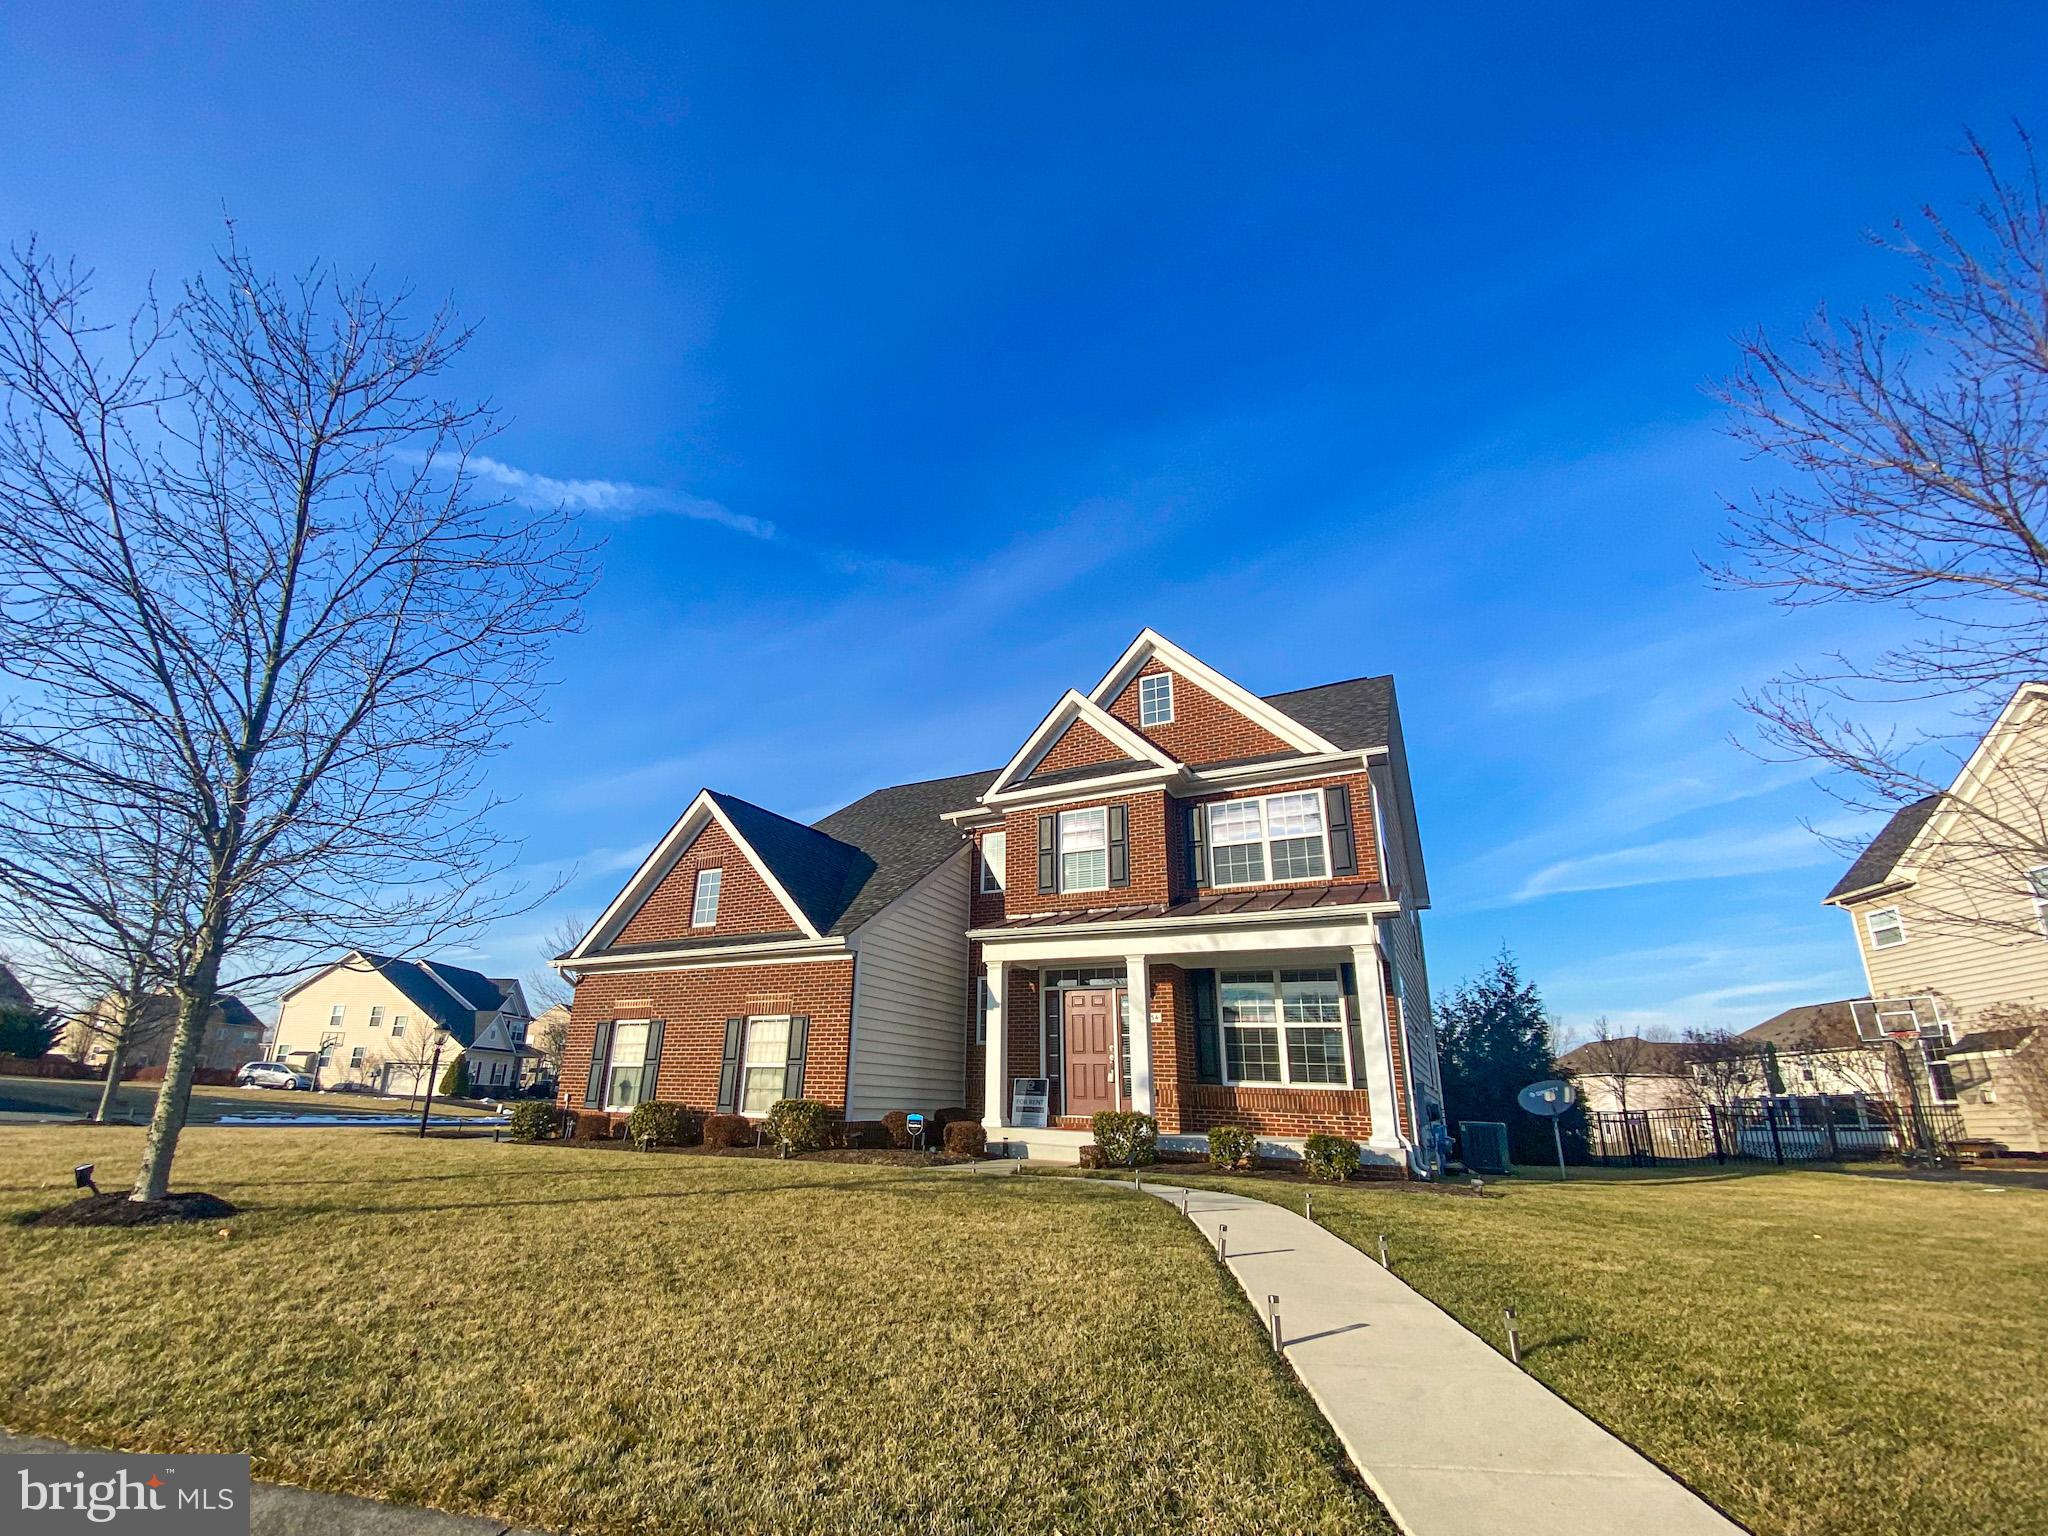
<point>336,1014</point>
<point>376,1017</point>
<point>398,1022</point>
<point>1084,849</point>
<point>2037,882</point>
<point>1886,928</point>
<point>994,850</point>
<point>627,1066</point>
<point>1155,699</point>
<point>1278,837</point>
<point>765,1062</point>
<point>704,901</point>
<point>1283,1027</point>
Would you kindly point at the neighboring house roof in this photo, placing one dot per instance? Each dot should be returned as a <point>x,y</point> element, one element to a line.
<point>236,1014</point>
<point>1809,1027</point>
<point>439,990</point>
<point>1353,714</point>
<point>1874,866</point>
<point>1654,1058</point>
<point>12,993</point>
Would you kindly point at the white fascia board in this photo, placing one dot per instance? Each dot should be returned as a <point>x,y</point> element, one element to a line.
<point>1074,705</point>
<point>1087,789</point>
<point>1208,921</point>
<point>1972,776</point>
<point>1312,766</point>
<point>443,983</point>
<point>973,816</point>
<point>657,864</point>
<point>1056,945</point>
<point>1151,643</point>
<point>777,952</point>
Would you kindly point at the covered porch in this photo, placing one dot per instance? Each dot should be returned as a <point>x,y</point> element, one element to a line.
<point>1287,1027</point>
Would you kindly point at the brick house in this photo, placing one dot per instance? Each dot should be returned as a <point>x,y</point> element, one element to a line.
<point>1247,869</point>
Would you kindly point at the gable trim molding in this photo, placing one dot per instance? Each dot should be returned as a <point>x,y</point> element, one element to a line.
<point>1150,644</point>
<point>1072,706</point>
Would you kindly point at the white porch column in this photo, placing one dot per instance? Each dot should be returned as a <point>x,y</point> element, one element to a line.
<point>1138,987</point>
<point>995,1087</point>
<point>1378,1066</point>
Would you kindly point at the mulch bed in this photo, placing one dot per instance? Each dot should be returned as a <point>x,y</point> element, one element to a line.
<point>111,1210</point>
<point>886,1156</point>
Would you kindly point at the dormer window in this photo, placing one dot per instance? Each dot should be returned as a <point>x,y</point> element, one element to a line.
<point>704,902</point>
<point>1155,699</point>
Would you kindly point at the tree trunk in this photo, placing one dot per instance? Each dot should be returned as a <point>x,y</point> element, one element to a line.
<point>117,1057</point>
<point>195,1002</point>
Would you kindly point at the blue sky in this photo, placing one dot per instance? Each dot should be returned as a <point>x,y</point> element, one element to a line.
<point>913,358</point>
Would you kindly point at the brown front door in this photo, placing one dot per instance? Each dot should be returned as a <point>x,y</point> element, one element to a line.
<point>1090,1034</point>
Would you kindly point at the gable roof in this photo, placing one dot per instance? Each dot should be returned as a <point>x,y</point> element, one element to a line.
<point>900,831</point>
<point>1811,1026</point>
<point>1074,707</point>
<point>1875,865</point>
<point>1656,1058</point>
<point>816,869</point>
<point>1354,714</point>
<point>451,995</point>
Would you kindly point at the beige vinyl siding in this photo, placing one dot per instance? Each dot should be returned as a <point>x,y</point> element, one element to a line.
<point>1992,1103</point>
<point>302,1021</point>
<point>1404,952</point>
<point>909,1048</point>
<point>1969,968</point>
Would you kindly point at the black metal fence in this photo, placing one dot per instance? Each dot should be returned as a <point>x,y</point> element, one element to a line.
<point>1831,1128</point>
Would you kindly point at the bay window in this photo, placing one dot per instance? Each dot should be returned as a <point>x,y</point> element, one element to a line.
<point>1084,849</point>
<point>1277,837</point>
<point>1283,1027</point>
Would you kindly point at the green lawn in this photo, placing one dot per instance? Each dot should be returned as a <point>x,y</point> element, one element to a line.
<point>134,1102</point>
<point>1821,1354</point>
<point>629,1343</point>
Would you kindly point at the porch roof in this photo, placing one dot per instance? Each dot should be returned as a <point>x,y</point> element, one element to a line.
<point>1212,904</point>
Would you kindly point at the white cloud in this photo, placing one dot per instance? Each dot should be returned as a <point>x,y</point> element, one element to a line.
<point>617,499</point>
<point>1703,856</point>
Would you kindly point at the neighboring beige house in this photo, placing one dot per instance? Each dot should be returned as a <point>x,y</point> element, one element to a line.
<point>233,1035</point>
<point>373,1020</point>
<point>1950,908</point>
<point>1629,1072</point>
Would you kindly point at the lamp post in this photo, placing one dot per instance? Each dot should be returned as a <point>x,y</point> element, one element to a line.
<point>433,1073</point>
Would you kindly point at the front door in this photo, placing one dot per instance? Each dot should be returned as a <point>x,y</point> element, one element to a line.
<point>1089,1029</point>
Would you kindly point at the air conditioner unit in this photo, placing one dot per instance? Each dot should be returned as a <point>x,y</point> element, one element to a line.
<point>1485,1145</point>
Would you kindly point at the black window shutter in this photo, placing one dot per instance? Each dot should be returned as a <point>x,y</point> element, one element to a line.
<point>1355,1023</point>
<point>729,1069</point>
<point>1198,846</point>
<point>600,1047</point>
<point>651,1063</point>
<point>1048,853</point>
<point>1119,845</point>
<point>799,1042</point>
<point>1337,812</point>
<point>1208,1045</point>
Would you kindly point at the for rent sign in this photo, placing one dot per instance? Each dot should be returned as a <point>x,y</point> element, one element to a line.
<point>62,1494</point>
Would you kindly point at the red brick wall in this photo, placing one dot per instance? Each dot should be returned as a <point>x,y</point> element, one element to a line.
<point>694,1005</point>
<point>1365,846</point>
<point>1203,730</point>
<point>1146,815</point>
<point>745,904</point>
<point>1080,745</point>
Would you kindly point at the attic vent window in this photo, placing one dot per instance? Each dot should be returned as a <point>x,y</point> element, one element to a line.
<point>1155,699</point>
<point>704,904</point>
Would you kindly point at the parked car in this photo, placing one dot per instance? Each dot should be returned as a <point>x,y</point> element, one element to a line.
<point>273,1074</point>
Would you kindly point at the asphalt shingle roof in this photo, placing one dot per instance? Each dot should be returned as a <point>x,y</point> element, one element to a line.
<point>900,832</point>
<point>1351,715</point>
<point>420,989</point>
<point>1875,864</point>
<point>1811,1026</point>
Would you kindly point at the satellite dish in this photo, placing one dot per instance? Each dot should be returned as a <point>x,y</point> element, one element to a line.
<point>1549,1098</point>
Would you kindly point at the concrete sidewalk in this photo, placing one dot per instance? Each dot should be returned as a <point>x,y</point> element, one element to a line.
<point>1454,1439</point>
<point>278,1509</point>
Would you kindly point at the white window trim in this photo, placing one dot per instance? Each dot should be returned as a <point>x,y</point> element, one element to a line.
<point>1155,677</point>
<point>1060,848</point>
<point>747,1039</point>
<point>2037,883</point>
<point>611,1063</point>
<point>376,1017</point>
<point>1898,920</point>
<point>994,871</point>
<point>1266,841</point>
<point>1342,1026</point>
<point>717,872</point>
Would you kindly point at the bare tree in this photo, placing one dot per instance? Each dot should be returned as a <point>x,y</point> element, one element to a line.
<point>248,584</point>
<point>1614,1060</point>
<point>417,1052</point>
<point>1916,437</point>
<point>547,987</point>
<point>1721,1069</point>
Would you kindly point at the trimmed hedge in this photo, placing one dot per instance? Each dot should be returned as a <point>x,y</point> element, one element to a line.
<point>663,1125</point>
<point>935,1128</point>
<point>591,1125</point>
<point>966,1138</point>
<point>864,1135</point>
<point>455,1081</point>
<point>1333,1159</point>
<point>532,1120</point>
<point>1127,1138</point>
<point>798,1125</point>
<point>1232,1146</point>
<point>728,1131</point>
<point>897,1121</point>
